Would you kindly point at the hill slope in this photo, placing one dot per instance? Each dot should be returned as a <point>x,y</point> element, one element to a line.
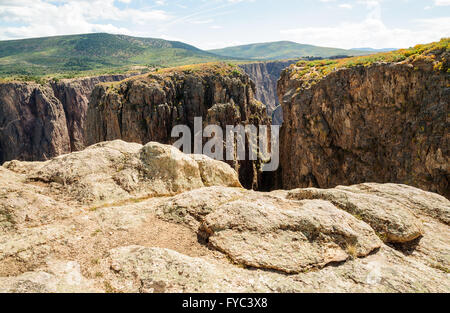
<point>75,53</point>
<point>282,50</point>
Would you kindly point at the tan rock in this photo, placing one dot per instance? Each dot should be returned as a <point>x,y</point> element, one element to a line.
<point>192,207</point>
<point>390,217</point>
<point>290,237</point>
<point>60,277</point>
<point>275,242</point>
<point>109,171</point>
<point>156,270</point>
<point>216,173</point>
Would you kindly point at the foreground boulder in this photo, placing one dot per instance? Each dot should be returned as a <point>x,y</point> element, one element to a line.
<point>118,170</point>
<point>120,217</point>
<point>389,216</point>
<point>288,237</point>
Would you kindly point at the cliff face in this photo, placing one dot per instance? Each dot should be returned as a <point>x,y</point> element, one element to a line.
<point>375,122</point>
<point>32,123</point>
<point>265,76</point>
<point>38,122</point>
<point>146,108</point>
<point>74,95</point>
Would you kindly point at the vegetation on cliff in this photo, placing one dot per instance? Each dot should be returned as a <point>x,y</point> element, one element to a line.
<point>435,53</point>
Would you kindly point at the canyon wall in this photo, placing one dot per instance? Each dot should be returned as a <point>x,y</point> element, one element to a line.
<point>265,76</point>
<point>38,122</point>
<point>33,125</point>
<point>373,122</point>
<point>146,108</point>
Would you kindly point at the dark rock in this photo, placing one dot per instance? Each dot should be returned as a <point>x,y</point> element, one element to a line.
<point>265,76</point>
<point>38,122</point>
<point>386,122</point>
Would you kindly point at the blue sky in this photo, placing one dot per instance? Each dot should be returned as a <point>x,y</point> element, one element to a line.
<point>219,23</point>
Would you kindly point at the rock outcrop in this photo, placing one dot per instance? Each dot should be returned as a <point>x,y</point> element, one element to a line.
<point>146,108</point>
<point>265,75</point>
<point>38,122</point>
<point>381,118</point>
<point>122,217</point>
<point>116,170</point>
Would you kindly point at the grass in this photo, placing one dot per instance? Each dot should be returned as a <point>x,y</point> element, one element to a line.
<point>202,69</point>
<point>43,79</point>
<point>92,54</point>
<point>352,251</point>
<point>314,71</point>
<point>441,268</point>
<point>219,68</point>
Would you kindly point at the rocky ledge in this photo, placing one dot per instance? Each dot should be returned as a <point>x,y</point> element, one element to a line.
<point>122,217</point>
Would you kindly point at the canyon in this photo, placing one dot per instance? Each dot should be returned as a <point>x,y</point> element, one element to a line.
<point>265,75</point>
<point>383,122</point>
<point>94,198</point>
<point>146,108</point>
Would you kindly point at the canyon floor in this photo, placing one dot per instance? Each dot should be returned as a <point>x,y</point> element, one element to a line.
<point>122,217</point>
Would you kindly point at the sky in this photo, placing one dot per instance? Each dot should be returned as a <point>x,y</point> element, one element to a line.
<point>210,24</point>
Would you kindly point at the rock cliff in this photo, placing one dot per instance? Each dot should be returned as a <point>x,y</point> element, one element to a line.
<point>38,122</point>
<point>122,217</point>
<point>265,75</point>
<point>381,118</point>
<point>146,108</point>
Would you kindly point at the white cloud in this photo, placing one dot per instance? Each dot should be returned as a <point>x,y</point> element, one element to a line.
<point>441,2</point>
<point>59,17</point>
<point>208,21</point>
<point>371,33</point>
<point>346,6</point>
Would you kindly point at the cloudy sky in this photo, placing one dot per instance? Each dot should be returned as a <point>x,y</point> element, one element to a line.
<point>212,24</point>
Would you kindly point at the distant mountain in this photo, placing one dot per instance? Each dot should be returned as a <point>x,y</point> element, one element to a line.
<point>90,52</point>
<point>282,50</point>
<point>374,50</point>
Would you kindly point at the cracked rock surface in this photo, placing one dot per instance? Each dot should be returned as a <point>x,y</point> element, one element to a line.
<point>122,217</point>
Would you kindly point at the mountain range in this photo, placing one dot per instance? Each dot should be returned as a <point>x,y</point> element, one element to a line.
<point>101,51</point>
<point>88,54</point>
<point>283,50</point>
